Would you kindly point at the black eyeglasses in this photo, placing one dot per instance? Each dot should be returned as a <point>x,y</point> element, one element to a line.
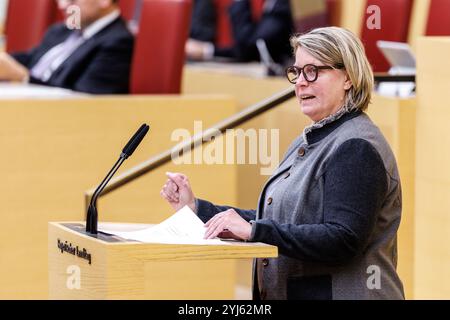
<point>310,72</point>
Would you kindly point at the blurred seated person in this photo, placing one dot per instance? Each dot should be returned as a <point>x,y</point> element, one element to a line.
<point>203,26</point>
<point>203,23</point>
<point>94,57</point>
<point>275,27</point>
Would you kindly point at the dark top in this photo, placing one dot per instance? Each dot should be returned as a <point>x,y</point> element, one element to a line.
<point>100,65</point>
<point>354,182</point>
<point>333,208</point>
<point>203,25</point>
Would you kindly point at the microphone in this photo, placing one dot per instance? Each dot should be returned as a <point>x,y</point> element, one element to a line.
<point>127,151</point>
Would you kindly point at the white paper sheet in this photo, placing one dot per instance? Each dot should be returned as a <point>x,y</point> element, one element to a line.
<point>183,227</point>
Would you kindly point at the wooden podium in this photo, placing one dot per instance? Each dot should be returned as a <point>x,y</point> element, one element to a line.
<point>107,267</point>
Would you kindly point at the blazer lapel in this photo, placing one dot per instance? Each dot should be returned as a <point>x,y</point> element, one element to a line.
<point>77,58</point>
<point>57,37</point>
<point>283,167</point>
<point>73,61</point>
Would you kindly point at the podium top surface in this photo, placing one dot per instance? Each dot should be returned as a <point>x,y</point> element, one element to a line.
<point>73,233</point>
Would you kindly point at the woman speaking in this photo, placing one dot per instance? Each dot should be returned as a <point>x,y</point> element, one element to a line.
<point>333,205</point>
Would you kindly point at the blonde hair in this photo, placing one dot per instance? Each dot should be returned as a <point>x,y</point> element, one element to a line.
<point>338,47</point>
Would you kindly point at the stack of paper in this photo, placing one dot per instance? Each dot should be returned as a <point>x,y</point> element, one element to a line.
<point>184,227</point>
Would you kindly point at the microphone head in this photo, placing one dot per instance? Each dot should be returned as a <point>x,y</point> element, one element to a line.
<point>135,141</point>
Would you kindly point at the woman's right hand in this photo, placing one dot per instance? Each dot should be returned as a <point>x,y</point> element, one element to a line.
<point>178,192</point>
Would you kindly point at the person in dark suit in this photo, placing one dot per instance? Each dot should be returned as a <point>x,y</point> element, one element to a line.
<point>274,28</point>
<point>95,57</point>
<point>203,22</point>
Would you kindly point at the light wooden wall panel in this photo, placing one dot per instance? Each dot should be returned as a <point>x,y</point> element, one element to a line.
<point>396,118</point>
<point>432,256</point>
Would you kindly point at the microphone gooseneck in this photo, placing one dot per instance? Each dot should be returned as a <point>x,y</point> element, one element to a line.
<point>92,214</point>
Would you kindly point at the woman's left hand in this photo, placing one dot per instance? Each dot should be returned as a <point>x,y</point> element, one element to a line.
<point>228,224</point>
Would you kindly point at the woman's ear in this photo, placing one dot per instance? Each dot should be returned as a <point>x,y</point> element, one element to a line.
<point>348,83</point>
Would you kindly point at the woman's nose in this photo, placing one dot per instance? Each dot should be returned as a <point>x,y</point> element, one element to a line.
<point>301,81</point>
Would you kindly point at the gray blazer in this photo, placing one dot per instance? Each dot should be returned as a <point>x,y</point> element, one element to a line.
<point>333,209</point>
